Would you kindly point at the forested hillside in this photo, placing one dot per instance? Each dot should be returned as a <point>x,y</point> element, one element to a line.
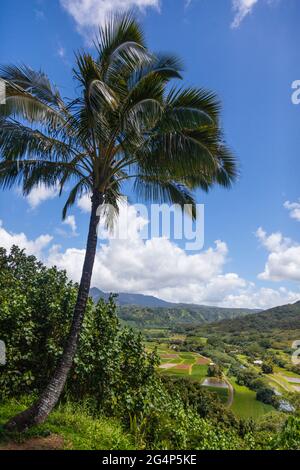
<point>279,319</point>
<point>144,311</point>
<point>174,317</point>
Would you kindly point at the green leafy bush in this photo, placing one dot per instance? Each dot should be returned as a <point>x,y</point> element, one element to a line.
<point>112,372</point>
<point>36,307</point>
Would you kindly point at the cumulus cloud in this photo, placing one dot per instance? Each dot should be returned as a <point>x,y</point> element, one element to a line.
<point>159,267</point>
<point>261,298</point>
<point>294,209</point>
<point>283,263</point>
<point>32,247</point>
<point>84,203</point>
<point>40,194</point>
<point>71,222</point>
<point>89,14</point>
<point>156,267</point>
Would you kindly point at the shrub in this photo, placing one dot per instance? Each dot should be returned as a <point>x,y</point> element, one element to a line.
<point>36,308</point>
<point>266,395</point>
<point>267,368</point>
<point>289,438</point>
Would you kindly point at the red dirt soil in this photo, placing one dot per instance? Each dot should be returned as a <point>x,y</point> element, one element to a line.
<point>53,442</point>
<point>201,361</point>
<point>183,366</point>
<point>170,356</point>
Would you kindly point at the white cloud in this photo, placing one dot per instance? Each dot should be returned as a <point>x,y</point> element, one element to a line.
<point>41,194</point>
<point>156,267</point>
<point>71,222</point>
<point>241,8</point>
<point>92,13</point>
<point>84,203</point>
<point>283,263</point>
<point>275,242</point>
<point>61,52</point>
<point>32,247</point>
<point>159,267</point>
<point>294,209</point>
<point>262,298</point>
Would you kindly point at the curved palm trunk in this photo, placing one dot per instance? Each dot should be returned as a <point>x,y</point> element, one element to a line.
<point>40,410</point>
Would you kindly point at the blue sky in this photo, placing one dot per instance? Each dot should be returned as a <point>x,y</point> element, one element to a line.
<point>248,52</point>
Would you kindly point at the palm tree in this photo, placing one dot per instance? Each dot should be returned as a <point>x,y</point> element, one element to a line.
<point>127,122</point>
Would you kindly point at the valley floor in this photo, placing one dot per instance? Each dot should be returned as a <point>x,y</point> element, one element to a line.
<point>240,399</point>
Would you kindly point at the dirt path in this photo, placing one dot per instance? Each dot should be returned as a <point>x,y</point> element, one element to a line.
<point>53,442</point>
<point>230,393</point>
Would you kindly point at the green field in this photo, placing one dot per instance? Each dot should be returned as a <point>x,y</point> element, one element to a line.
<point>199,372</point>
<point>193,370</point>
<point>221,392</point>
<point>245,404</point>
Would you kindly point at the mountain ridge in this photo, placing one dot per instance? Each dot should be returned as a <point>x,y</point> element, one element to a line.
<point>143,311</point>
<point>283,317</point>
<point>151,301</point>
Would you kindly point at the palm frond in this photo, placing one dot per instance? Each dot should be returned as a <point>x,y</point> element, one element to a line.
<point>197,99</point>
<point>18,141</point>
<point>126,122</point>
<point>35,83</point>
<point>20,104</point>
<point>154,189</point>
<point>76,192</point>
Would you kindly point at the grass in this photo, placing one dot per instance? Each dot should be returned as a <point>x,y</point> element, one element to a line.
<point>243,359</point>
<point>287,373</point>
<point>245,404</point>
<point>199,372</point>
<point>280,380</point>
<point>169,361</point>
<point>276,385</point>
<point>176,372</point>
<point>221,392</point>
<point>74,424</point>
<point>200,340</point>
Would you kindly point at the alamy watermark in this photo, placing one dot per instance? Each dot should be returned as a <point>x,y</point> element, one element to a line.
<point>296,353</point>
<point>296,92</point>
<point>2,92</point>
<point>2,353</point>
<point>158,220</point>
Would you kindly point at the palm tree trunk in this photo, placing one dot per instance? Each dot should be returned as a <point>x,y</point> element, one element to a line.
<point>40,410</point>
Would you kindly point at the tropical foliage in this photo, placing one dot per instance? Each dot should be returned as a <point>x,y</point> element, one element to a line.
<point>128,122</point>
<point>36,305</point>
<point>125,123</point>
<point>114,399</point>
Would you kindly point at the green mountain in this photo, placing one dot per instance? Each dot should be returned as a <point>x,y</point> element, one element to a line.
<point>276,328</point>
<point>285,317</point>
<point>176,317</point>
<point>130,299</point>
<point>145,311</point>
